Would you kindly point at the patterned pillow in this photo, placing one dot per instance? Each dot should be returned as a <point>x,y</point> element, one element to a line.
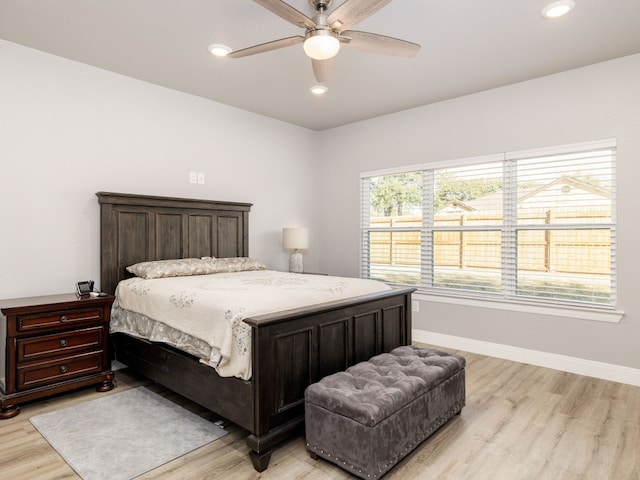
<point>183,267</point>
<point>237,264</point>
<point>173,268</point>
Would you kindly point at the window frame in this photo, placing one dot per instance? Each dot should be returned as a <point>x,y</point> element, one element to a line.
<point>509,229</point>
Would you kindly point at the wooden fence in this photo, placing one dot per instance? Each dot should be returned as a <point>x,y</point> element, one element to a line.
<point>585,251</point>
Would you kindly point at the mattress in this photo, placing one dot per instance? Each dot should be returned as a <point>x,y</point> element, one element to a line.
<point>203,314</point>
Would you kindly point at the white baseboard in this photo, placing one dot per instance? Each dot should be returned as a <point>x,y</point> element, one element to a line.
<point>590,368</point>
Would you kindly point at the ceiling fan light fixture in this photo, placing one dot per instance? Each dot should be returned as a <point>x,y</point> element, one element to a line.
<point>219,50</point>
<point>321,44</point>
<point>558,9</point>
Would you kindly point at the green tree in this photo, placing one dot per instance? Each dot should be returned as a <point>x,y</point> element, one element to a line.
<point>449,188</point>
<point>391,194</point>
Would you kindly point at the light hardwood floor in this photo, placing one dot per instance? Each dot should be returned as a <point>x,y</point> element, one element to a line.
<point>520,422</point>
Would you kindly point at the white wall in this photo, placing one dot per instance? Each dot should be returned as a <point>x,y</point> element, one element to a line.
<point>599,101</point>
<point>68,130</point>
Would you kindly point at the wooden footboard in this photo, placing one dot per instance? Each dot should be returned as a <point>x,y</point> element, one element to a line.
<point>293,349</point>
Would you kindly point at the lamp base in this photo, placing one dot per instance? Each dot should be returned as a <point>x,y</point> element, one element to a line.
<point>295,262</point>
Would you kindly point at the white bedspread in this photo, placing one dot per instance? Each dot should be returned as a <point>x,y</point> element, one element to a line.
<point>203,314</point>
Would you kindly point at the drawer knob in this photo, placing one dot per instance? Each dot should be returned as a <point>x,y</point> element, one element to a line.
<point>63,318</point>
<point>63,343</point>
<point>63,369</point>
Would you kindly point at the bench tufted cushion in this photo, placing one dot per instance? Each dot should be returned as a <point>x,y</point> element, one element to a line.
<point>372,391</point>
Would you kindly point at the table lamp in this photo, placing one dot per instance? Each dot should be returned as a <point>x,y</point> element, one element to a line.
<point>295,239</point>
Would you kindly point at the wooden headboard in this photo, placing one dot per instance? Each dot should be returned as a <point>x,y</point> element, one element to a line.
<point>138,228</point>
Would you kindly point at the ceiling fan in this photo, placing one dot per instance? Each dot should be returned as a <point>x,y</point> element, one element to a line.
<point>326,32</point>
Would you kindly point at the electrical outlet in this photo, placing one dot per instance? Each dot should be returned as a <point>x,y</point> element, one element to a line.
<point>193,177</point>
<point>415,306</point>
<point>200,178</point>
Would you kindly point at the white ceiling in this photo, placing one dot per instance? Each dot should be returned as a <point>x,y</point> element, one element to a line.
<point>467,46</point>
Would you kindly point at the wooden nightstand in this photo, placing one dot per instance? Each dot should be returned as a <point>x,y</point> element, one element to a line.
<point>52,344</point>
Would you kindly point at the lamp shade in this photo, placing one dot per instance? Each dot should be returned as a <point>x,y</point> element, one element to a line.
<point>295,238</point>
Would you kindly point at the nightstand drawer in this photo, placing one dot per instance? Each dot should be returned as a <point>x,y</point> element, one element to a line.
<point>66,343</point>
<point>45,373</point>
<point>33,323</point>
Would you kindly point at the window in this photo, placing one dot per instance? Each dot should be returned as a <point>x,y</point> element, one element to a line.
<point>533,226</point>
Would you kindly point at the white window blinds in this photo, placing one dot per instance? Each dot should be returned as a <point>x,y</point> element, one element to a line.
<point>534,226</point>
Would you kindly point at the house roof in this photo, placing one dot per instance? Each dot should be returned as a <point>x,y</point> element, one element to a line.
<point>493,201</point>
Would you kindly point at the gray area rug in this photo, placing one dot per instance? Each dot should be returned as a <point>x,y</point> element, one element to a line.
<point>123,435</point>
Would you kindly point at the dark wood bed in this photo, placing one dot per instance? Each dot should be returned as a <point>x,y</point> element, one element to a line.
<point>290,349</point>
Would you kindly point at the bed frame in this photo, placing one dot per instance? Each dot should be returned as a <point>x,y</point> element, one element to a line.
<point>290,349</point>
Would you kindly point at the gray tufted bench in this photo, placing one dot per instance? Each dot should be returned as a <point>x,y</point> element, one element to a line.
<point>369,417</point>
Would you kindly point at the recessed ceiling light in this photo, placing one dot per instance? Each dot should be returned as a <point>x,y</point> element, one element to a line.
<point>558,9</point>
<point>219,50</point>
<point>318,89</point>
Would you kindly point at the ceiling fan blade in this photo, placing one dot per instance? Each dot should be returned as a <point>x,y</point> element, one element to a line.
<point>286,11</point>
<point>352,12</point>
<point>322,69</point>
<point>374,43</point>
<point>266,47</point>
